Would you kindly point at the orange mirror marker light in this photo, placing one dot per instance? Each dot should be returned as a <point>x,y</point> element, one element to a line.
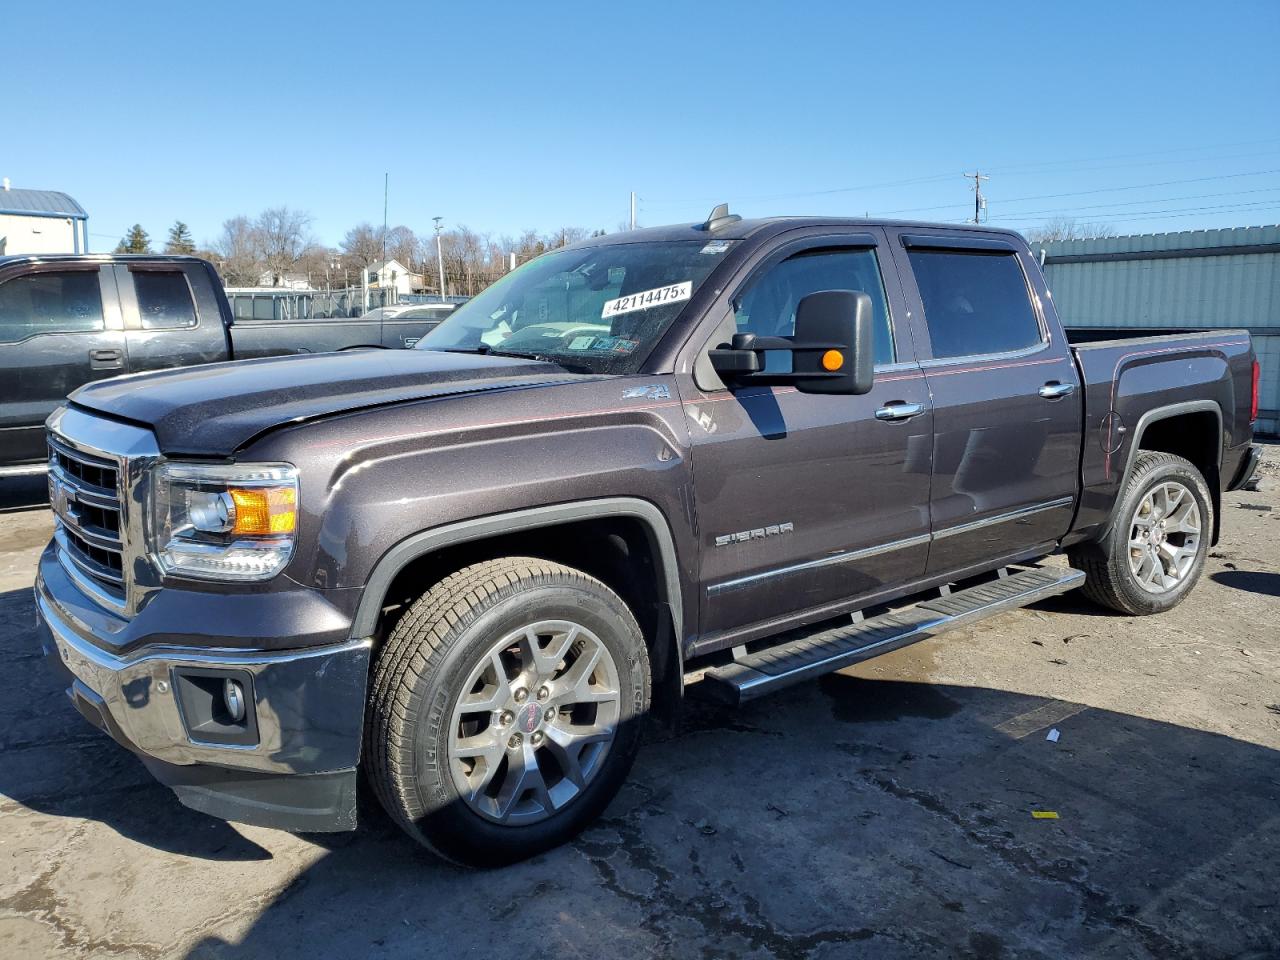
<point>262,511</point>
<point>832,360</point>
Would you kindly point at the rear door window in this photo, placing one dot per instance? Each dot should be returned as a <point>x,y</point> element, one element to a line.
<point>974,303</point>
<point>50,301</point>
<point>164,299</point>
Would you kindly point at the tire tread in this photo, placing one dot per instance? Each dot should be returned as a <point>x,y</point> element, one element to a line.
<point>1103,574</point>
<point>421,638</point>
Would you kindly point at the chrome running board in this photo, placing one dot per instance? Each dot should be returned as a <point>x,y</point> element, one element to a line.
<point>797,658</point>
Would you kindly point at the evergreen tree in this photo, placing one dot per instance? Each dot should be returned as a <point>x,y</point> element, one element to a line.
<point>135,241</point>
<point>179,239</point>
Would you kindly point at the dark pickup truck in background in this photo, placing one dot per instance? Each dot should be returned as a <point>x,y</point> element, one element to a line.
<point>68,320</point>
<point>717,458</point>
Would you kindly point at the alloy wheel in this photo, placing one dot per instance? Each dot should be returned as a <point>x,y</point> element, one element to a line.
<point>534,722</point>
<point>1164,537</point>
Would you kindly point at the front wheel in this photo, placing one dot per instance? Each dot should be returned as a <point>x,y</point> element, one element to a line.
<point>1155,551</point>
<point>505,709</point>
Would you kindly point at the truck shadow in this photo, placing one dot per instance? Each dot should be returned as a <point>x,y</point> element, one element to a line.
<point>825,817</point>
<point>53,762</point>
<point>839,812</point>
<point>1253,581</point>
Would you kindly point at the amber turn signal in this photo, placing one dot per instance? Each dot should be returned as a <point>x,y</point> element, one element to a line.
<point>262,511</point>
<point>832,360</point>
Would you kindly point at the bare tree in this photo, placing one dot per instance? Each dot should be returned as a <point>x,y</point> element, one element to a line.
<point>236,253</point>
<point>402,245</point>
<point>282,236</point>
<point>315,264</point>
<point>566,235</point>
<point>363,244</point>
<point>1068,228</point>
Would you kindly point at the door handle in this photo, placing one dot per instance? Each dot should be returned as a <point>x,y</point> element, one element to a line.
<point>898,410</point>
<point>1053,390</point>
<point>106,359</point>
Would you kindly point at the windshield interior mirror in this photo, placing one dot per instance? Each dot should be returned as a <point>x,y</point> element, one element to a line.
<point>832,350</point>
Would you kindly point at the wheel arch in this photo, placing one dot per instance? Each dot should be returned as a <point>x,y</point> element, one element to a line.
<point>500,534</point>
<point>1191,430</point>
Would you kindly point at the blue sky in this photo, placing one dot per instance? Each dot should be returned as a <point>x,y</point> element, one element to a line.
<point>508,116</point>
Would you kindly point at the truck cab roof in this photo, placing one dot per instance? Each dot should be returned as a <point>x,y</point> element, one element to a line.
<point>762,228</point>
<point>28,258</point>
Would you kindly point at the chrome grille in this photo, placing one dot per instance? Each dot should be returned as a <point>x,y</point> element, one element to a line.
<point>84,491</point>
<point>98,486</point>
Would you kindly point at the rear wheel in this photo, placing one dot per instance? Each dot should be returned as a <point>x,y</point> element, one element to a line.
<point>504,709</point>
<point>1155,551</point>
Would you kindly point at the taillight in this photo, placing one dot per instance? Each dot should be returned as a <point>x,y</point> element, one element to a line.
<point>1253,392</point>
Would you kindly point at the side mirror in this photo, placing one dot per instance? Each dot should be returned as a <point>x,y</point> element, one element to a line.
<point>832,350</point>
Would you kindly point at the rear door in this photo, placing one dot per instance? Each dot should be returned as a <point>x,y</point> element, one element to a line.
<point>806,501</point>
<point>1006,398</point>
<point>60,328</point>
<point>171,315</point>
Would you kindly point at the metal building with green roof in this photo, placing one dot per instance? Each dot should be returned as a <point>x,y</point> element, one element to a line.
<point>1190,280</point>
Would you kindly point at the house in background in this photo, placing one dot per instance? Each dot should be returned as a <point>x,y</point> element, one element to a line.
<point>41,221</point>
<point>388,274</point>
<point>285,281</point>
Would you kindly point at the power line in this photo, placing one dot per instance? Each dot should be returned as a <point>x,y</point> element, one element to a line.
<point>1137,203</point>
<point>935,178</point>
<point>1039,165</point>
<point>1152,214</point>
<point>1084,193</point>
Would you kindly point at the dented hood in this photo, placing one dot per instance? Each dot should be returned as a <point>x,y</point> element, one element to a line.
<point>215,409</point>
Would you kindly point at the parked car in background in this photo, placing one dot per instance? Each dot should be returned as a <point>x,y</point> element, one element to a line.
<point>69,320</point>
<point>410,322</point>
<point>727,456</point>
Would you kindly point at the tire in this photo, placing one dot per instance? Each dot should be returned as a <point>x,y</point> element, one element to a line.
<point>446,743</point>
<point>1109,565</point>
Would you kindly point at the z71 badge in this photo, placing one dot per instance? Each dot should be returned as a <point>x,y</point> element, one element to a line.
<point>759,533</point>
<point>652,391</point>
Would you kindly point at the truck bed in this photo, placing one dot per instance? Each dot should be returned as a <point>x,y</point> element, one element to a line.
<point>1128,382</point>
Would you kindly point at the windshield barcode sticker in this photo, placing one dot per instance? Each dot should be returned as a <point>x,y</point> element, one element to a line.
<point>657,297</point>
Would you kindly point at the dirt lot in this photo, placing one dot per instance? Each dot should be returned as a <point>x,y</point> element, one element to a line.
<point>882,812</point>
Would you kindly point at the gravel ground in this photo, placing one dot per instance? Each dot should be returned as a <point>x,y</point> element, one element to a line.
<point>885,811</point>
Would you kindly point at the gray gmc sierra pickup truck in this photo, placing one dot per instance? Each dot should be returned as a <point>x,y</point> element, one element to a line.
<point>716,458</point>
<point>69,320</point>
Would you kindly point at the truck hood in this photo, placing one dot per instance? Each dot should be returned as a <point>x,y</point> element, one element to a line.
<point>215,409</point>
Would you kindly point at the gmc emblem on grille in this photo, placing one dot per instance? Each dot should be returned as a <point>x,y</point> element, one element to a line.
<point>61,497</point>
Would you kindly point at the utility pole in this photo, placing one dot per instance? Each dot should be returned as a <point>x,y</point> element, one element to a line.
<point>386,187</point>
<point>978,202</point>
<point>439,255</point>
<point>633,209</point>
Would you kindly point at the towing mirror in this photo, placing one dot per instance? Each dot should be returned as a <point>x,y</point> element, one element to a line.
<point>831,351</point>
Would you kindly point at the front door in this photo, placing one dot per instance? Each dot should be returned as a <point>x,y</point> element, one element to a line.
<point>1006,399</point>
<point>805,501</point>
<point>59,329</point>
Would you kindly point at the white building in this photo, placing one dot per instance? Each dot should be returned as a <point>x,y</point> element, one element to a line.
<point>289,281</point>
<point>393,273</point>
<point>41,221</point>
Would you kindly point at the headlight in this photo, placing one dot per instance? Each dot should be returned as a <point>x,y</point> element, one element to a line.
<point>224,522</point>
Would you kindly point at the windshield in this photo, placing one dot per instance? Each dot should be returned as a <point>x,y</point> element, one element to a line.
<point>600,309</point>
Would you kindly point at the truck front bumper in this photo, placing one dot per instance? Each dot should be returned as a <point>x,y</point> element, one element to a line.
<point>289,762</point>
